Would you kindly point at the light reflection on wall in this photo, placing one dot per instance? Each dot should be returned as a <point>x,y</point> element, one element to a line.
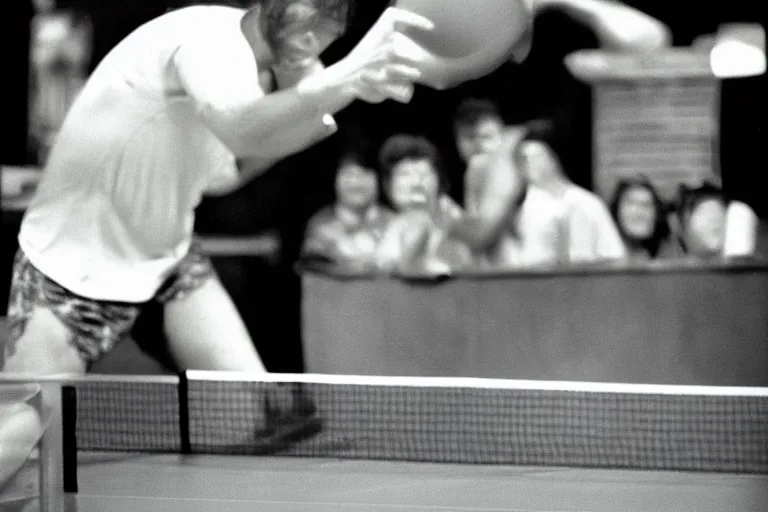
<point>60,49</point>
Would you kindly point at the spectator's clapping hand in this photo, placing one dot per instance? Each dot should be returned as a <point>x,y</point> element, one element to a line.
<point>416,234</point>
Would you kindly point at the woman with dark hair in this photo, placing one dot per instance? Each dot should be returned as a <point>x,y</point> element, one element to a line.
<point>641,217</point>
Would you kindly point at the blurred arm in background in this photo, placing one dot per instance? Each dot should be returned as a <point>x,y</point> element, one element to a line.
<point>500,187</point>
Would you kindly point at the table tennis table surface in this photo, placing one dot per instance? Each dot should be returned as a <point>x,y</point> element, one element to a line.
<point>116,482</point>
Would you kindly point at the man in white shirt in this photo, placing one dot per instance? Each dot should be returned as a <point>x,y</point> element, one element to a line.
<point>589,231</point>
<point>183,106</point>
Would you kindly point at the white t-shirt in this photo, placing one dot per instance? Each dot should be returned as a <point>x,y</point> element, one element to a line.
<point>741,230</point>
<point>538,236</point>
<point>591,231</point>
<point>114,212</point>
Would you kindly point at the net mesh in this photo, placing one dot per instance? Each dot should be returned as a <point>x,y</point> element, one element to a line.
<point>127,416</point>
<point>394,420</point>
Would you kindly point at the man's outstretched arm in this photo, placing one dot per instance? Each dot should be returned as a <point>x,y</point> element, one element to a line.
<point>265,128</point>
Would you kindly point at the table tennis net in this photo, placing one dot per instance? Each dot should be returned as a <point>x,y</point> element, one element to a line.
<point>431,420</point>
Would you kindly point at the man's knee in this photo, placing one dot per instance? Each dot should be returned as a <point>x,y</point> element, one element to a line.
<point>20,431</point>
<point>41,343</point>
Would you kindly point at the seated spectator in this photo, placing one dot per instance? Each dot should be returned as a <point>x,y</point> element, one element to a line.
<point>416,239</point>
<point>641,217</point>
<point>701,216</point>
<point>709,221</point>
<point>348,232</point>
<point>591,233</point>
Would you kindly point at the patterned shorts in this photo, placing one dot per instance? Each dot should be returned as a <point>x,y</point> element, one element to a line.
<point>96,326</point>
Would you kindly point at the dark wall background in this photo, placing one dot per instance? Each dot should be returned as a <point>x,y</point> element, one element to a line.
<point>284,198</point>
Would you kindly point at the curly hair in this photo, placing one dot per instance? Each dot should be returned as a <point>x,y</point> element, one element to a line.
<point>404,146</point>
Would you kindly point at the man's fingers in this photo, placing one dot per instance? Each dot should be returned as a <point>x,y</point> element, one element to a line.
<point>378,92</point>
<point>391,74</point>
<point>402,73</point>
<point>402,93</point>
<point>370,94</point>
<point>404,49</point>
<point>374,77</point>
<point>404,19</point>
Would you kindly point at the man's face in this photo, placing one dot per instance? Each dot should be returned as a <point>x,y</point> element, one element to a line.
<point>537,162</point>
<point>301,33</point>
<point>484,137</point>
<point>414,184</point>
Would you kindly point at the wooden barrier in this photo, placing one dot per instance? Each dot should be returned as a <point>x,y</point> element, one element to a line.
<point>671,323</point>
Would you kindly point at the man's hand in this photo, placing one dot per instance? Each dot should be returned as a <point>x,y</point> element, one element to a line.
<point>418,227</point>
<point>385,63</point>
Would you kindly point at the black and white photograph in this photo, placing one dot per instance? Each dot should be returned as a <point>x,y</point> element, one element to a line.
<point>384,256</point>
